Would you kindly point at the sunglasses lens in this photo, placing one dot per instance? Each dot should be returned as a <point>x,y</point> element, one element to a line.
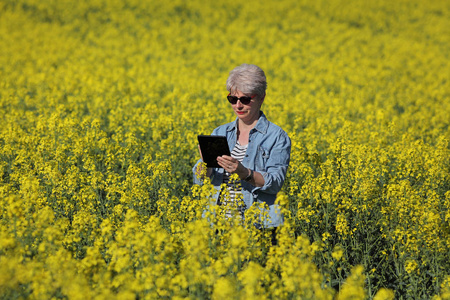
<point>232,99</point>
<point>245,100</point>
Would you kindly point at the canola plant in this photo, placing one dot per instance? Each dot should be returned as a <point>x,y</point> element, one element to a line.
<point>100,105</point>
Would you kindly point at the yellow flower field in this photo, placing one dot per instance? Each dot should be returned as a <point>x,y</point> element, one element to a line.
<point>100,105</point>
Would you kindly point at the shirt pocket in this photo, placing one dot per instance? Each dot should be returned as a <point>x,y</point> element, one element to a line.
<point>262,156</point>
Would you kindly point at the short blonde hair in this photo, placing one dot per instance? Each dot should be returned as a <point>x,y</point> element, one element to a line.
<point>249,79</point>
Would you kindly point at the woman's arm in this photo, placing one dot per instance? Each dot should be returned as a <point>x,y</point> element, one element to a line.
<point>257,180</point>
<point>232,165</point>
<point>276,165</point>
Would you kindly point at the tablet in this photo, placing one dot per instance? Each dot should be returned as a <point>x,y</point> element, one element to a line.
<point>211,147</point>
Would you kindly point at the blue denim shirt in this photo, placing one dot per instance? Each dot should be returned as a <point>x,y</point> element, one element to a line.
<point>268,152</point>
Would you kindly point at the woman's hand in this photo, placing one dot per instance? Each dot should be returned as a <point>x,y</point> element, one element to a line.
<point>232,165</point>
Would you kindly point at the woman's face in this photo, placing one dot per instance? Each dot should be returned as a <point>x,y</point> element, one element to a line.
<point>246,112</point>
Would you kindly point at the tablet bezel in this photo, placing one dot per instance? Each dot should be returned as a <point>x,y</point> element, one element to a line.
<point>211,152</point>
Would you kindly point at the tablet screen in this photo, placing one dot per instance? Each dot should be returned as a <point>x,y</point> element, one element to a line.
<point>211,147</point>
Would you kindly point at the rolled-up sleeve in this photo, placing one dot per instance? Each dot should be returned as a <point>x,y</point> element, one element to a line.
<point>276,166</point>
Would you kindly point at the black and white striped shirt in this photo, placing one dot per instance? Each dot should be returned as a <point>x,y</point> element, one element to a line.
<point>238,153</point>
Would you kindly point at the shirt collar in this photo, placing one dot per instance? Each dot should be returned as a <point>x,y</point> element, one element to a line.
<point>260,126</point>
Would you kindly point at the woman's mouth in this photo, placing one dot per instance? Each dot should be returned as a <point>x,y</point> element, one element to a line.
<point>240,112</point>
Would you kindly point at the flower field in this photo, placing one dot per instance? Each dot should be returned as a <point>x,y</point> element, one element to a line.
<point>101,102</point>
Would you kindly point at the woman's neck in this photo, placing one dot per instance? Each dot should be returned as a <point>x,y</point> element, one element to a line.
<point>247,126</point>
<point>243,131</point>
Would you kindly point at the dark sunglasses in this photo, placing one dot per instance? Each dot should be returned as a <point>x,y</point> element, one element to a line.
<point>244,100</point>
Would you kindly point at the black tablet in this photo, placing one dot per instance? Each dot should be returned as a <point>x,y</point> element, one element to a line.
<point>211,147</point>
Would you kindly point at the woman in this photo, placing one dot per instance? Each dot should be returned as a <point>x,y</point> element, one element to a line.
<point>260,150</point>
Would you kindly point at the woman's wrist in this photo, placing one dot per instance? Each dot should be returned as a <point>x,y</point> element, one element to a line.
<point>249,176</point>
<point>245,173</point>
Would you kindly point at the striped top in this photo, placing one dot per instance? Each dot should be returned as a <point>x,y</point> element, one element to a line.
<point>238,153</point>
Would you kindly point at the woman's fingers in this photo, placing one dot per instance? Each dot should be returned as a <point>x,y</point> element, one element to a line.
<point>224,163</point>
<point>229,163</point>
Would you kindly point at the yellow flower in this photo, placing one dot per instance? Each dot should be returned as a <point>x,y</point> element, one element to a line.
<point>337,252</point>
<point>411,266</point>
<point>353,288</point>
<point>384,294</point>
<point>224,288</point>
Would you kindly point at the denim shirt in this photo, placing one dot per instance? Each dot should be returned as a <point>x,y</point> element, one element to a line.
<point>268,152</point>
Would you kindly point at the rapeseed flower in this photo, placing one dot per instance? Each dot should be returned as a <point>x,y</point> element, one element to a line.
<point>100,105</point>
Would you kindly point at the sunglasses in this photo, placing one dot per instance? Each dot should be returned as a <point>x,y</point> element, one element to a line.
<point>244,100</point>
